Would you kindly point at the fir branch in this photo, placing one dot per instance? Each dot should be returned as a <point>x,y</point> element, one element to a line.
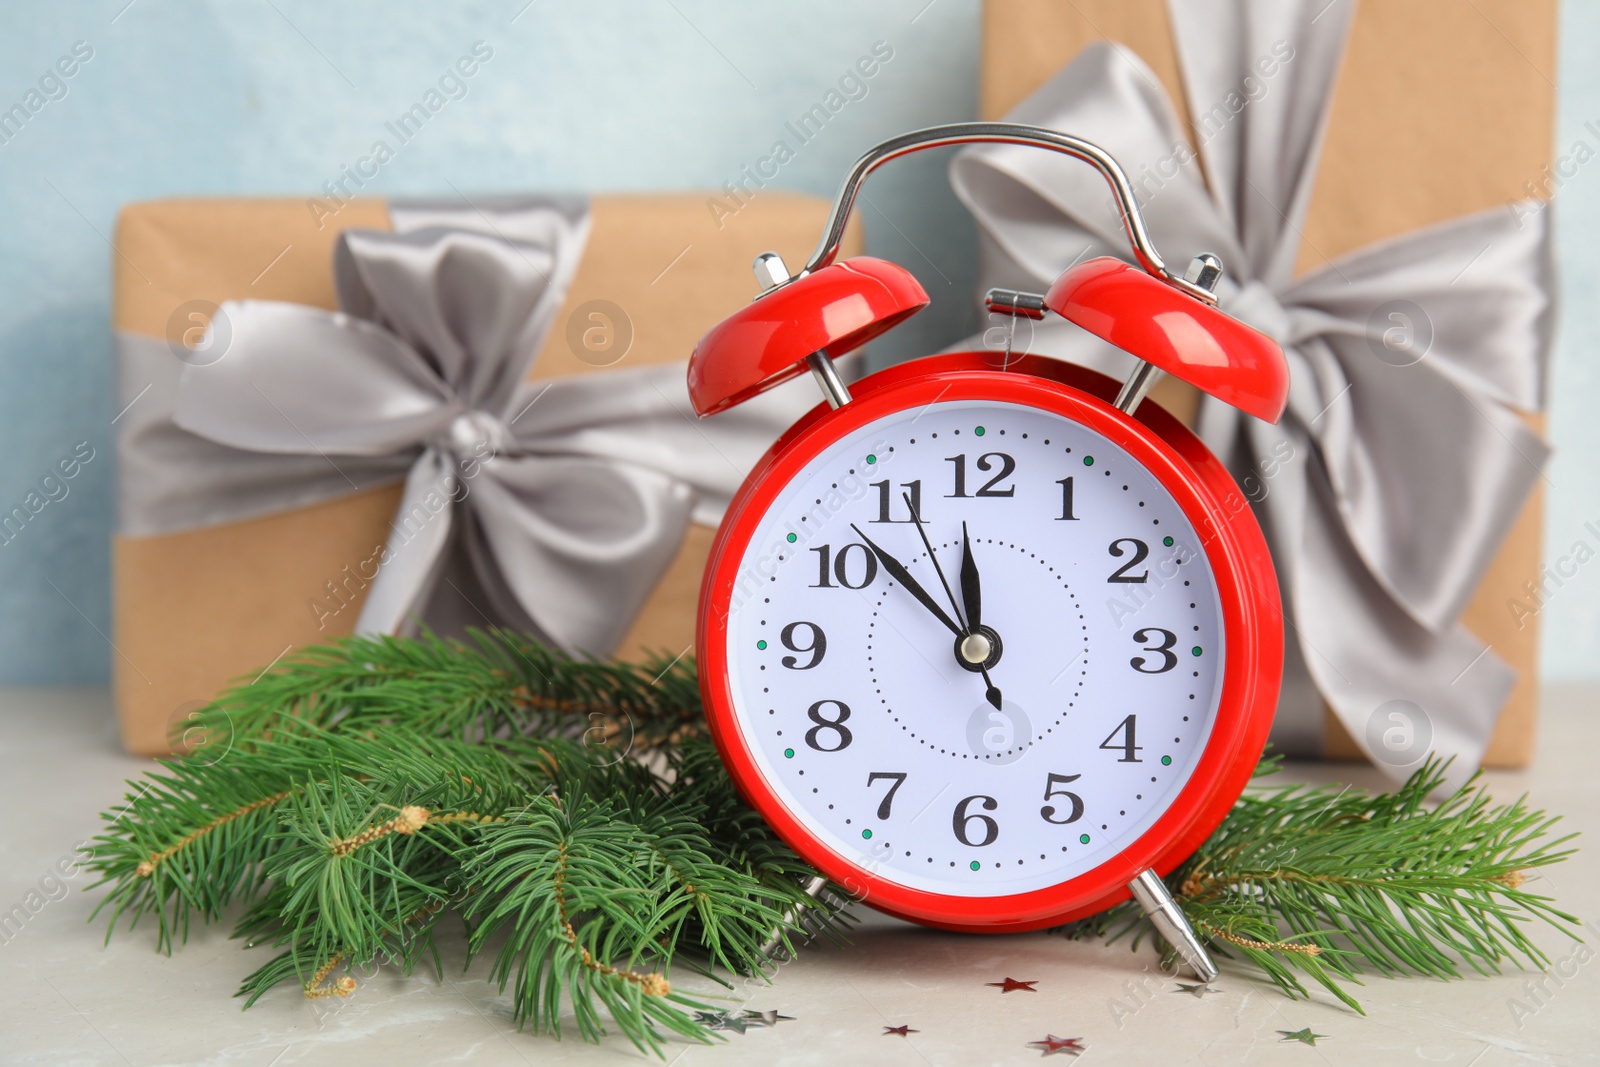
<point>495,683</point>
<point>192,840</point>
<point>562,881</point>
<point>1330,883</point>
<point>373,786</point>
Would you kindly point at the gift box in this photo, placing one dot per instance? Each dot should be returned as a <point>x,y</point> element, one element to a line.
<point>274,463</point>
<point>1424,120</point>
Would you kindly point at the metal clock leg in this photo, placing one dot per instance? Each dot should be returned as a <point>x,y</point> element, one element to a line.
<point>774,942</point>
<point>1165,915</point>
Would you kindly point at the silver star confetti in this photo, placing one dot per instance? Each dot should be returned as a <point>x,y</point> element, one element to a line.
<point>1197,991</point>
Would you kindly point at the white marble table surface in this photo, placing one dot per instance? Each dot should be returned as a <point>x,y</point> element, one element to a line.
<point>65,998</point>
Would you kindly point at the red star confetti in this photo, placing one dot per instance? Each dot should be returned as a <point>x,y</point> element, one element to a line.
<point>1066,1046</point>
<point>903,1031</point>
<point>1011,985</point>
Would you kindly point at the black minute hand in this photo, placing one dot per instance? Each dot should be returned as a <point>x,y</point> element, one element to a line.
<point>992,693</point>
<point>971,593</point>
<point>898,572</point>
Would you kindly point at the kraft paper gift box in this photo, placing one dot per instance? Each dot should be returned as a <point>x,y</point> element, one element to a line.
<point>196,609</point>
<point>1438,112</point>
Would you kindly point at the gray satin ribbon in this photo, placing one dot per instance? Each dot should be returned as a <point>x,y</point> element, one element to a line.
<point>553,506</point>
<point>1401,463</point>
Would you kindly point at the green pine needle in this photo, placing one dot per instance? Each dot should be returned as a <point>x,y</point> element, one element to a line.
<point>360,792</point>
<point>1333,882</point>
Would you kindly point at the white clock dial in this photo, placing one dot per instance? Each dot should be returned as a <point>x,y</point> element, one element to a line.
<point>1100,631</point>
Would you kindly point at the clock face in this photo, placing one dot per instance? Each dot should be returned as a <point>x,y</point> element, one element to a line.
<point>1008,719</point>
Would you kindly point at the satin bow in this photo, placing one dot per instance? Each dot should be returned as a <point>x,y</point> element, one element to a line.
<point>553,506</point>
<point>1402,462</point>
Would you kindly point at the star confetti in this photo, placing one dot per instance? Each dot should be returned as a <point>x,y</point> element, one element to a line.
<point>1197,991</point>
<point>1011,984</point>
<point>721,1020</point>
<point>1066,1046</point>
<point>738,1022</point>
<point>903,1031</point>
<point>1304,1036</point>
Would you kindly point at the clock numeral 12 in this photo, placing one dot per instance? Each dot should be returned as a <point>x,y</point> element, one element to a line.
<point>899,779</point>
<point>886,505</point>
<point>840,568</point>
<point>1127,744</point>
<point>985,464</point>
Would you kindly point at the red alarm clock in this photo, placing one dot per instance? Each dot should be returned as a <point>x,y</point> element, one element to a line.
<point>990,642</point>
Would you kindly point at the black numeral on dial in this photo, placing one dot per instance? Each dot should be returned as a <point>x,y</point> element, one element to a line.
<point>898,778</point>
<point>1140,552</point>
<point>1169,658</point>
<point>886,506</point>
<point>1066,499</point>
<point>1048,812</point>
<point>835,728</point>
<point>986,463</point>
<point>1126,746</point>
<point>841,566</point>
<point>962,820</point>
<point>817,646</point>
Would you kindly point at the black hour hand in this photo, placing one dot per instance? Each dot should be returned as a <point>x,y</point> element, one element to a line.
<point>898,572</point>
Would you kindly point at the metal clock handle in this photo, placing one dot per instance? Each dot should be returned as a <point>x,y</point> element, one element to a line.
<point>1001,133</point>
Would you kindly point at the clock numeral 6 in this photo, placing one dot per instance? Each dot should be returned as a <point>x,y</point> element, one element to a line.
<point>1169,658</point>
<point>836,727</point>
<point>1047,813</point>
<point>986,463</point>
<point>899,779</point>
<point>961,820</point>
<point>1140,551</point>
<point>817,646</point>
<point>841,567</point>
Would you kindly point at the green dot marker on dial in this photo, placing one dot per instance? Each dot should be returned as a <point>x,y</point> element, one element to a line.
<point>1165,540</point>
<point>1166,761</point>
<point>1083,839</point>
<point>1195,650</point>
<point>793,539</point>
<point>975,865</point>
<point>761,645</point>
<point>788,753</point>
<point>872,459</point>
<point>1088,461</point>
<point>978,431</point>
<point>866,833</point>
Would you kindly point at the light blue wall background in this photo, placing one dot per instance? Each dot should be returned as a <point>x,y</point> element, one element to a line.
<point>270,97</point>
